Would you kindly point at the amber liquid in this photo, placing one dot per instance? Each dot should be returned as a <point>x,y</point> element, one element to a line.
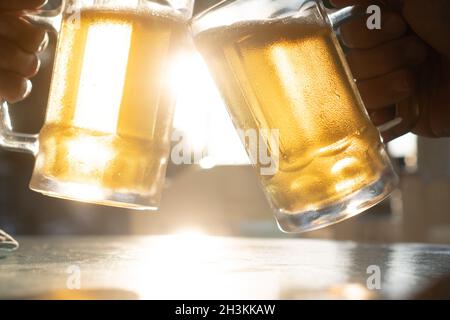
<point>290,75</point>
<point>110,109</point>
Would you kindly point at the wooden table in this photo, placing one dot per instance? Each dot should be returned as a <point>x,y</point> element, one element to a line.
<point>204,267</point>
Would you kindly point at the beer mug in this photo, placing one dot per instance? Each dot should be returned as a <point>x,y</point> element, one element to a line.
<point>106,136</point>
<point>282,73</point>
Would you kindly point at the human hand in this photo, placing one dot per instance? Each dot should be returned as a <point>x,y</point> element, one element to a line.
<point>404,65</point>
<point>20,41</point>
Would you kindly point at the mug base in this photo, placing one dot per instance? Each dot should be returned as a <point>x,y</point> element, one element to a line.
<point>348,207</point>
<point>92,194</point>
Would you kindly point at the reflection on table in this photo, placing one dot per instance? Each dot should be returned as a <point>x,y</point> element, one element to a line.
<point>195,266</point>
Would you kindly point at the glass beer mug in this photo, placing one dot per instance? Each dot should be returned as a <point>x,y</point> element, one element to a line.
<point>106,136</point>
<point>280,69</point>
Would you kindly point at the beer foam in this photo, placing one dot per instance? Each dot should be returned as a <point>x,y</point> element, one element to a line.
<point>160,12</point>
<point>305,23</point>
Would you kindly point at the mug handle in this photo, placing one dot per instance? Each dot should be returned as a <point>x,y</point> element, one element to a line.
<point>7,244</point>
<point>407,111</point>
<point>24,142</point>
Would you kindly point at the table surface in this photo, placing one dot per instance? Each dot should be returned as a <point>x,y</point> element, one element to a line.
<point>204,267</point>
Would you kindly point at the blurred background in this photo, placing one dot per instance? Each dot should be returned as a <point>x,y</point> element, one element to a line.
<point>220,195</point>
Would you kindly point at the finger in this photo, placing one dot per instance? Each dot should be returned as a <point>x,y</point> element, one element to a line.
<point>431,22</point>
<point>356,34</point>
<point>396,131</point>
<point>14,59</point>
<point>383,115</point>
<point>13,87</point>
<point>393,55</point>
<point>27,36</point>
<point>388,136</point>
<point>388,89</point>
<point>12,5</point>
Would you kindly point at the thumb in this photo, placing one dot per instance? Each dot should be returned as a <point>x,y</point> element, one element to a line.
<point>430,20</point>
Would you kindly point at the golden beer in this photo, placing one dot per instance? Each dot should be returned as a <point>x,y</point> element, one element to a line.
<point>290,75</point>
<point>110,110</point>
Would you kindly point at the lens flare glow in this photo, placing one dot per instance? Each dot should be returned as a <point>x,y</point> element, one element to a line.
<point>201,115</point>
